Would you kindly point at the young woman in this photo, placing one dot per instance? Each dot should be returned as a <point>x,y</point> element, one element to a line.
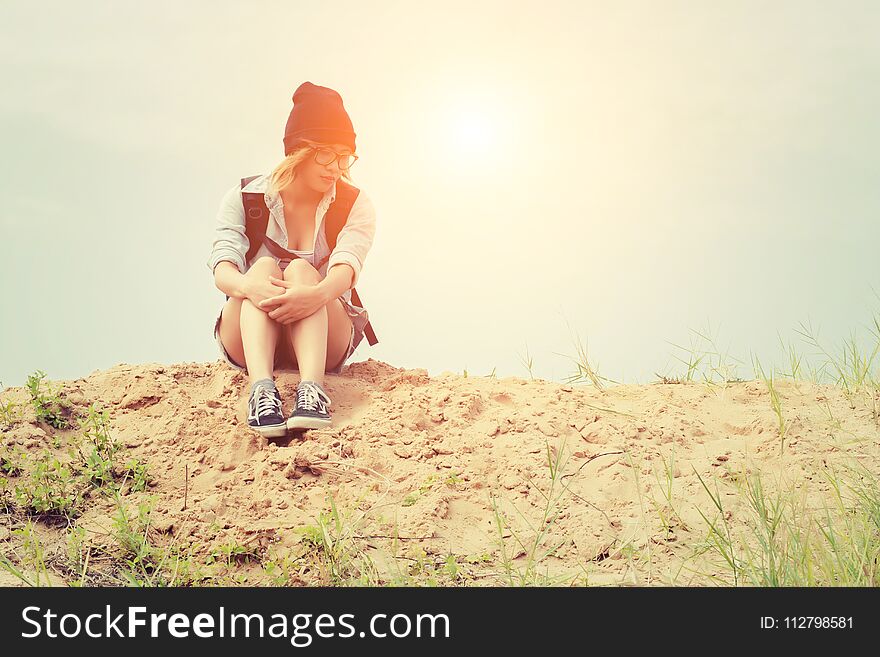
<point>289,302</point>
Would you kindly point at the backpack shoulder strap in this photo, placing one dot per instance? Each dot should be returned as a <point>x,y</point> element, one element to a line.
<point>334,221</point>
<point>337,213</point>
<point>256,216</point>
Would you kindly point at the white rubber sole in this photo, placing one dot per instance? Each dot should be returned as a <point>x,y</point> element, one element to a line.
<point>295,423</point>
<point>277,431</point>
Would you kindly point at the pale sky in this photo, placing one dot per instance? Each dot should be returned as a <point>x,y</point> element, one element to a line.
<point>627,172</point>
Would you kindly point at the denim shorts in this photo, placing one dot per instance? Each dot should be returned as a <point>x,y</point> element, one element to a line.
<point>283,358</point>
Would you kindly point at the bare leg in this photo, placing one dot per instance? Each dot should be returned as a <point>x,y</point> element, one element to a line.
<point>309,337</point>
<point>309,334</point>
<point>259,332</point>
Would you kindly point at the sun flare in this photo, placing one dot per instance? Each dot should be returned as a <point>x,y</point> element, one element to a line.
<point>473,133</point>
<point>469,133</point>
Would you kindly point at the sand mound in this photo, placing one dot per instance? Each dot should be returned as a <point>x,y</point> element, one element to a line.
<point>431,460</point>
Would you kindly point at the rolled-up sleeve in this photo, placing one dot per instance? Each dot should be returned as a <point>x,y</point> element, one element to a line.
<point>230,241</point>
<point>356,237</point>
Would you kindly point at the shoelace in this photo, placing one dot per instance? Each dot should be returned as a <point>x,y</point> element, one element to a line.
<point>265,402</point>
<point>310,397</point>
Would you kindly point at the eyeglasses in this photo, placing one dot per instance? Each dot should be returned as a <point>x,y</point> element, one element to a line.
<point>326,157</point>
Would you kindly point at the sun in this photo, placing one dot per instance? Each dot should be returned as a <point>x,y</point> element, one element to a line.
<point>469,133</point>
<point>472,132</point>
<point>475,138</point>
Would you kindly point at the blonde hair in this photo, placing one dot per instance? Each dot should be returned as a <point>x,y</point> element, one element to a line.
<point>285,172</point>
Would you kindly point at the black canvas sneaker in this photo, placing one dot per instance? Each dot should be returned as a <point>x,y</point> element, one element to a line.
<point>311,410</point>
<point>264,411</point>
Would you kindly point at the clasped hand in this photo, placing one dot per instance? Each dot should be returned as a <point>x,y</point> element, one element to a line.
<point>297,301</point>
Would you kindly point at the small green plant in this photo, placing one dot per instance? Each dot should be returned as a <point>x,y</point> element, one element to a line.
<point>335,549</point>
<point>100,448</point>
<point>148,564</point>
<point>98,455</point>
<point>50,407</point>
<point>528,543</point>
<point>668,380</point>
<point>79,552</point>
<point>233,553</point>
<point>10,412</point>
<point>787,541</point>
<point>6,504</point>
<point>586,372</point>
<point>132,534</point>
<point>9,566</point>
<point>451,567</point>
<point>278,566</point>
<point>34,556</point>
<point>775,401</point>
<point>51,488</point>
<point>423,569</point>
<point>719,368</point>
<point>794,361</point>
<point>692,363</point>
<point>137,473</point>
<point>854,368</point>
<point>670,518</point>
<point>635,553</point>
<point>11,461</point>
<point>720,536</point>
<point>425,487</point>
<point>527,362</point>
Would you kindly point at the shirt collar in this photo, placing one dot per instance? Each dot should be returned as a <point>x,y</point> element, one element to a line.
<point>261,184</point>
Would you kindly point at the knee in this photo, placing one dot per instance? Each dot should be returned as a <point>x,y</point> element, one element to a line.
<point>301,271</point>
<point>266,266</point>
<point>232,307</point>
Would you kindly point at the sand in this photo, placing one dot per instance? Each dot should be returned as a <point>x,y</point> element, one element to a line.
<point>428,459</point>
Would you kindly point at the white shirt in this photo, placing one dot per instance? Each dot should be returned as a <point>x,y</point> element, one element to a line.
<point>352,244</point>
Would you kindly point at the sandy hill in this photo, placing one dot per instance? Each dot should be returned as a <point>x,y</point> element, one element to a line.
<point>476,478</point>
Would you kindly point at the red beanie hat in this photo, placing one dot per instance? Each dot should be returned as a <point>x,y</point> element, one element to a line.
<point>317,115</point>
